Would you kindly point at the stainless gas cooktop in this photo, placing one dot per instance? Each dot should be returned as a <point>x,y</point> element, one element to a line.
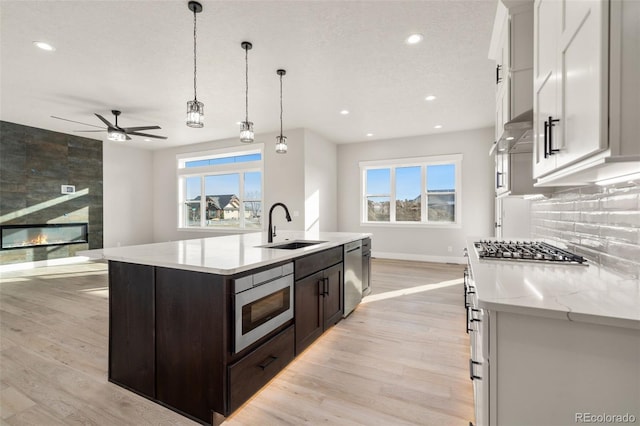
<point>530,251</point>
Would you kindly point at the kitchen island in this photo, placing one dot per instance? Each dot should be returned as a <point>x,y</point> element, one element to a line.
<point>552,343</point>
<point>201,325</point>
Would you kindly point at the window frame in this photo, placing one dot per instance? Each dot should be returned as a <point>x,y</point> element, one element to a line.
<point>423,163</point>
<point>183,172</point>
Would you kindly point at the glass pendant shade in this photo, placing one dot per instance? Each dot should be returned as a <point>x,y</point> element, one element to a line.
<point>246,132</point>
<point>281,144</point>
<point>116,135</point>
<point>195,114</point>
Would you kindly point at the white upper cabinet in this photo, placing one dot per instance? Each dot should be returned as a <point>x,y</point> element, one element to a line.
<point>574,142</point>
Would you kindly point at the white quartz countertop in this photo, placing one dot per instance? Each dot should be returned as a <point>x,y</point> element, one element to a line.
<point>225,255</point>
<point>564,291</point>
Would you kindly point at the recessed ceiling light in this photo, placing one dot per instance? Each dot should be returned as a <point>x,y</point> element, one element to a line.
<point>414,39</point>
<point>44,46</point>
<point>430,98</point>
<point>438,126</point>
<point>510,138</point>
<point>344,112</point>
<point>369,134</point>
<point>147,140</point>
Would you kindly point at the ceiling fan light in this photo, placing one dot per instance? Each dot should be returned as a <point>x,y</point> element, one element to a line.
<point>246,132</point>
<point>116,135</point>
<point>195,114</point>
<point>281,144</point>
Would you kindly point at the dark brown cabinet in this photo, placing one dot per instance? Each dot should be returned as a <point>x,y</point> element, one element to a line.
<point>132,327</point>
<point>171,332</point>
<point>190,331</point>
<point>319,297</point>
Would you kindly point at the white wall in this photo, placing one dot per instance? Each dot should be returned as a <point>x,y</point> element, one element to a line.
<point>421,243</point>
<point>127,195</point>
<point>283,182</point>
<point>320,183</point>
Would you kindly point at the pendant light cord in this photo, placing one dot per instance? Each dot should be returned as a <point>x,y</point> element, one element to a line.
<point>246,80</point>
<point>280,106</point>
<point>195,66</point>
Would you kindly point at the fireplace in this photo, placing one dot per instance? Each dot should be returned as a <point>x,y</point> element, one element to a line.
<point>56,234</point>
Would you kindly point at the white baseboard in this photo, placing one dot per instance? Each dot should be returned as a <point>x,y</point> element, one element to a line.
<point>40,263</point>
<point>419,257</point>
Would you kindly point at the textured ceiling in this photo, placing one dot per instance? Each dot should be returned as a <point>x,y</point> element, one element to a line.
<point>137,56</point>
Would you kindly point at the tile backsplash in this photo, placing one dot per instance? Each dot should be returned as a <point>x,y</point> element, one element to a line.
<point>601,223</point>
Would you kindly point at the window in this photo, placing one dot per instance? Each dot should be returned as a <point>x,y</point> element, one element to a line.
<point>422,191</point>
<point>221,189</point>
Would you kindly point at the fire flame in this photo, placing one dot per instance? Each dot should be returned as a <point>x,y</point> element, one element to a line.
<point>40,239</point>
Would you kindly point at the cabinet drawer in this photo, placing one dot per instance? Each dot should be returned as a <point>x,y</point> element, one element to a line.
<point>315,262</point>
<point>252,372</point>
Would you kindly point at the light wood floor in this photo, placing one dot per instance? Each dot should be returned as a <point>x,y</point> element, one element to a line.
<point>400,359</point>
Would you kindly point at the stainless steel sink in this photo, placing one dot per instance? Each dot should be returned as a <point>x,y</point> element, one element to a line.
<point>292,245</point>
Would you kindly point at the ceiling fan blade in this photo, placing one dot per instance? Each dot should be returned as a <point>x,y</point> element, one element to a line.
<point>146,135</point>
<point>104,120</point>
<point>78,122</point>
<point>135,129</point>
<point>128,138</point>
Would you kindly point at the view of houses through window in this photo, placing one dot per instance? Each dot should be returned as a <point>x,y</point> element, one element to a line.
<point>221,190</point>
<point>418,190</point>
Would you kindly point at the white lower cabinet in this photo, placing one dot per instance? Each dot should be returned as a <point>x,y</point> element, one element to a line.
<point>530,370</point>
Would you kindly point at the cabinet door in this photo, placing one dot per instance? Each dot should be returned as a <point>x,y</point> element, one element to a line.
<point>333,295</point>
<point>583,59</point>
<point>502,59</point>
<point>132,327</point>
<point>309,313</point>
<point>191,315</point>
<point>545,84</point>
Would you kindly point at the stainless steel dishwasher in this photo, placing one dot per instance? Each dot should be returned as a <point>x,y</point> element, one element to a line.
<point>352,276</point>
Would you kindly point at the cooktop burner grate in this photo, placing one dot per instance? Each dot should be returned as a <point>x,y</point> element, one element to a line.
<point>526,251</point>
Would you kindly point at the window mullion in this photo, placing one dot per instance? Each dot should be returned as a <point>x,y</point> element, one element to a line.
<point>392,195</point>
<point>241,201</point>
<point>423,193</point>
<point>203,202</point>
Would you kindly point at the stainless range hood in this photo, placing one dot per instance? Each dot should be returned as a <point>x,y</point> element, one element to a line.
<point>517,135</point>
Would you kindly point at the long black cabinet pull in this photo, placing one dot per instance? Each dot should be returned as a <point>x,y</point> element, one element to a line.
<point>267,362</point>
<point>471,364</point>
<point>546,141</point>
<point>498,78</point>
<point>467,325</point>
<point>550,126</point>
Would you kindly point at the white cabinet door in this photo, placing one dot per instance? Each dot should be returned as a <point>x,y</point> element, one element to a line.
<point>583,60</point>
<point>570,82</point>
<point>547,28</point>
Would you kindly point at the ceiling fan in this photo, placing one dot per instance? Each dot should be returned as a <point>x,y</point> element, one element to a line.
<point>115,132</point>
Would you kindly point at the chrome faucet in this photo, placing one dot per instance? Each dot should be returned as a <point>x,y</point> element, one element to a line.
<point>271,231</point>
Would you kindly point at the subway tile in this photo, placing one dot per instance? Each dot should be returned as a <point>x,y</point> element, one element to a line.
<point>621,202</point>
<point>625,251</point>
<point>624,218</point>
<point>621,234</point>
<point>587,228</point>
<point>622,266</point>
<point>594,217</point>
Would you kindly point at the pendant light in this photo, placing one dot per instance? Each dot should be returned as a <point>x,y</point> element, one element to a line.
<point>281,141</point>
<point>195,109</point>
<point>246,127</point>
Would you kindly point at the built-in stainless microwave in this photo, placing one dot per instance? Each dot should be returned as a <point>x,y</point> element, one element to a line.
<point>263,302</point>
